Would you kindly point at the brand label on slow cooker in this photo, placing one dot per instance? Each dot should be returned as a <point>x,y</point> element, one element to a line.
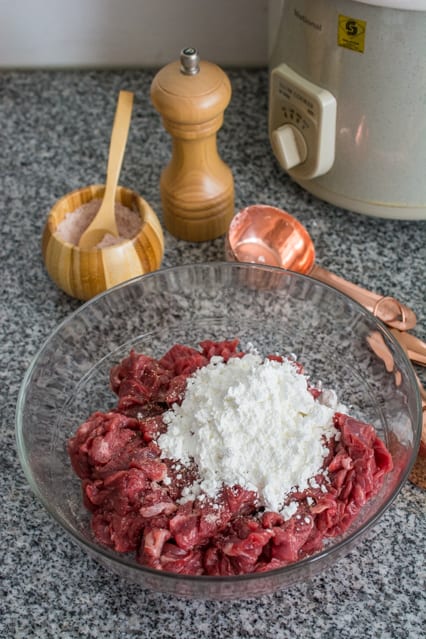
<point>351,33</point>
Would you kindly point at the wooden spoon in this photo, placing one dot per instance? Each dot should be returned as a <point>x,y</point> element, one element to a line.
<point>104,221</point>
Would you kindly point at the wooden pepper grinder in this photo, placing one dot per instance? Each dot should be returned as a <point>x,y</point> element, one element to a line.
<point>197,187</point>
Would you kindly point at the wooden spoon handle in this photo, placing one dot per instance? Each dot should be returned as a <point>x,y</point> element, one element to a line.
<point>120,132</point>
<point>387,309</point>
<point>104,220</point>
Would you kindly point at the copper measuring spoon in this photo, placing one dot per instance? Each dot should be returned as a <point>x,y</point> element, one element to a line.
<point>267,235</point>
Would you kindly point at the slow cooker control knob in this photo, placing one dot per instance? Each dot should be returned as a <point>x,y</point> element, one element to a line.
<point>289,146</point>
<point>302,124</point>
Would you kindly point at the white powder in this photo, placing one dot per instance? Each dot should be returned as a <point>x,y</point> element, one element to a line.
<point>250,422</point>
<point>75,222</point>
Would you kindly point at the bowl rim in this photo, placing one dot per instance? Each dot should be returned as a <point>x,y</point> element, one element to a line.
<point>289,569</point>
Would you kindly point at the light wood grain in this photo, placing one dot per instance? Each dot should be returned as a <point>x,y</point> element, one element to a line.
<point>197,187</point>
<point>104,221</point>
<point>84,273</point>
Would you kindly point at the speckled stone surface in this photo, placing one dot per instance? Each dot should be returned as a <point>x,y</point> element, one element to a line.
<point>54,136</point>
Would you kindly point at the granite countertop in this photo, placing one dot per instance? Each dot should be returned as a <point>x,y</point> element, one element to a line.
<point>54,136</point>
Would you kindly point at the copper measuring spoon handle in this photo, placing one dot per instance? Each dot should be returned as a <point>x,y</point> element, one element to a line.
<point>379,347</point>
<point>387,309</point>
<point>413,346</point>
<point>418,475</point>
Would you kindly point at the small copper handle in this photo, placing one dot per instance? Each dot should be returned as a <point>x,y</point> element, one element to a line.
<point>387,309</point>
<point>380,348</point>
<point>413,346</point>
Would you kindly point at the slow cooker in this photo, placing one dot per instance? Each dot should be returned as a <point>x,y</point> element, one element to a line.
<point>347,102</point>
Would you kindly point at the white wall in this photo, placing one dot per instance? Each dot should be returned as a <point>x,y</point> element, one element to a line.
<point>103,33</point>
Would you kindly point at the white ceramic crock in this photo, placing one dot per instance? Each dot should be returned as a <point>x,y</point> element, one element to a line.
<point>370,56</point>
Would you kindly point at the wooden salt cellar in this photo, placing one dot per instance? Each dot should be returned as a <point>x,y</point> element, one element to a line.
<point>84,273</point>
<point>197,187</point>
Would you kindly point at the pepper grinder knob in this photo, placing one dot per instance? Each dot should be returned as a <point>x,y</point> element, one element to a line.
<point>189,61</point>
<point>196,187</point>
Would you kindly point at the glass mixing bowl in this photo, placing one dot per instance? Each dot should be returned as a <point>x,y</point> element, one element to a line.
<point>337,341</point>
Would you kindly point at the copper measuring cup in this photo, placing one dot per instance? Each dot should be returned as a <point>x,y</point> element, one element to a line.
<point>267,235</point>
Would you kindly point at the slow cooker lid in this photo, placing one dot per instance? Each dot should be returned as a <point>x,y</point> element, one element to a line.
<point>408,5</point>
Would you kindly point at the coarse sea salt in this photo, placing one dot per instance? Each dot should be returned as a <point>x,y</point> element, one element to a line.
<point>75,223</point>
<point>252,422</point>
